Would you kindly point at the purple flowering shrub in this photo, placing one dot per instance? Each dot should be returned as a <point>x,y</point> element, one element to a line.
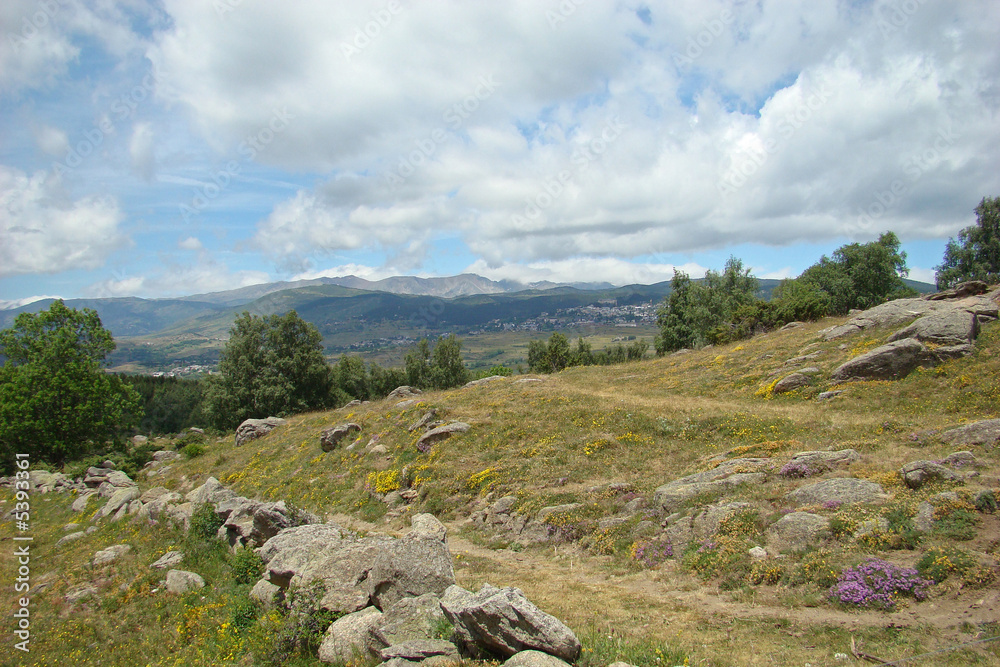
<point>652,552</point>
<point>794,469</point>
<point>879,584</point>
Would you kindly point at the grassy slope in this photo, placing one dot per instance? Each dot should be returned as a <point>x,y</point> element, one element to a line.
<point>549,443</point>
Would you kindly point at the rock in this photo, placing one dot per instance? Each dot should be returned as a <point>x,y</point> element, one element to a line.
<point>757,553</point>
<point>121,498</point>
<point>485,380</point>
<point>110,555</point>
<point>427,527</point>
<point>791,383</point>
<point>139,440</point>
<point>120,479</point>
<point>727,474</point>
<point>961,290</point>
<point>378,450</point>
<point>266,593</point>
<point>807,464</point>
<point>797,531</point>
<point>504,622</point>
<point>180,514</point>
<point>80,592</point>
<point>209,492</point>
<point>964,459</point>
<point>792,325</point>
<point>408,619</point>
<point>539,659</point>
<point>347,640</point>
<point>891,361</point>
<point>181,581</point>
<point>917,473</point>
<point>165,455</point>
<point>924,520</point>
<point>80,504</point>
<point>985,433</point>
<point>700,526</point>
<point>69,538</point>
<point>409,568</point>
<point>440,433</point>
<point>870,526</point>
<point>418,650</point>
<point>826,395</point>
<point>839,490</point>
<point>955,327</point>
<point>168,560</point>
<point>251,429</point>
<point>403,392</point>
<point>423,421</point>
<point>331,437</point>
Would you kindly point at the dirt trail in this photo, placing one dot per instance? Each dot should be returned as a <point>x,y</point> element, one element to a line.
<point>574,585</point>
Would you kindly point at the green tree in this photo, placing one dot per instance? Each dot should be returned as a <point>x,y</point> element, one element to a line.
<point>447,368</point>
<point>352,378</point>
<point>583,353</point>
<point>976,254</point>
<point>271,366</point>
<point>56,400</point>
<point>418,365</point>
<point>538,357</point>
<point>861,275</point>
<point>558,352</point>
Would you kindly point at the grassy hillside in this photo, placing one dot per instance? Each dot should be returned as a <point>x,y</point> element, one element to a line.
<point>565,438</point>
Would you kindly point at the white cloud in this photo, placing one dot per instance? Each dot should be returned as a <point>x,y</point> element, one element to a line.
<point>141,151</point>
<point>51,140</point>
<point>923,275</point>
<point>585,270</point>
<point>190,243</point>
<point>17,303</point>
<point>179,280</point>
<point>358,270</point>
<point>43,231</point>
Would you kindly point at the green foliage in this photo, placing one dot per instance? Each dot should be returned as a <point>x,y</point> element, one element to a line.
<point>440,368</point>
<point>296,634</point>
<point>697,313</point>
<point>940,563</point>
<point>247,565</point>
<point>56,401</point>
<point>169,404</point>
<point>192,450</point>
<point>271,366</point>
<point>205,523</point>
<point>959,524</point>
<point>861,275</point>
<point>976,254</point>
<point>986,502</point>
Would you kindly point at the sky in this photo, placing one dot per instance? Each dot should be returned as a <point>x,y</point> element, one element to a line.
<point>175,147</point>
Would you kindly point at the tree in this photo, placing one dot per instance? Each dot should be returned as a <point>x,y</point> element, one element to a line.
<point>538,357</point>
<point>56,400</point>
<point>583,354</point>
<point>418,365</point>
<point>271,366</point>
<point>447,368</point>
<point>558,352</point>
<point>861,275</point>
<point>976,254</point>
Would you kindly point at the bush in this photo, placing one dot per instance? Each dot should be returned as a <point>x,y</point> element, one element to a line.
<point>940,563</point>
<point>246,565</point>
<point>205,523</point>
<point>878,584</point>
<point>192,450</point>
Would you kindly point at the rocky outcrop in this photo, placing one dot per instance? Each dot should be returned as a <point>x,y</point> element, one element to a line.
<point>887,362</point>
<point>985,433</point>
<point>917,473</point>
<point>331,437</point>
<point>502,622</point>
<point>251,429</point>
<point>955,327</point>
<point>402,393</point>
<point>727,474</point>
<point>348,639</point>
<point>791,383</point>
<point>807,464</point>
<point>110,555</point>
<point>702,525</point>
<point>482,381</point>
<point>440,433</point>
<point>168,560</point>
<point>797,531</point>
<point>840,490</point>
<point>408,619</point>
<point>959,291</point>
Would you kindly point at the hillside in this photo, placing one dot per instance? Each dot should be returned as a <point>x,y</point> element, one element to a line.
<point>581,489</point>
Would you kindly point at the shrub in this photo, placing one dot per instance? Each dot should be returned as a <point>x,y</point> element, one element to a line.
<point>959,524</point>
<point>205,522</point>
<point>651,553</point>
<point>940,563</point>
<point>986,502</point>
<point>246,565</point>
<point>192,450</point>
<point>878,584</point>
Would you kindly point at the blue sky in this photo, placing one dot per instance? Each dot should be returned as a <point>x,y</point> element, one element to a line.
<point>167,148</point>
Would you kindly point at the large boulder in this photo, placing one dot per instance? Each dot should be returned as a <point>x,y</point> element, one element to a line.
<point>418,650</point>
<point>807,464</point>
<point>887,362</point>
<point>251,429</point>
<point>331,437</point>
<point>986,433</point>
<point>701,525</point>
<point>791,383</point>
<point>348,639</point>
<point>917,473</point>
<point>953,327</point>
<point>841,490</point>
<point>403,392</point>
<point>502,621</point>
<point>539,659</point>
<point>110,555</point>
<point>440,433</point>
<point>797,531</point>
<point>121,498</point>
<point>211,491</point>
<point>181,581</point>
<point>409,567</point>
<point>408,619</point>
